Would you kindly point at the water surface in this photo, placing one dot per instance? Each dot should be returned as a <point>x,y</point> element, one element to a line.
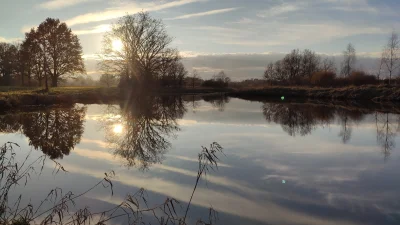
<point>284,163</point>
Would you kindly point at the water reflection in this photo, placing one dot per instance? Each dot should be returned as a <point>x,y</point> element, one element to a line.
<point>302,119</point>
<point>217,101</point>
<point>140,133</point>
<point>54,131</point>
<point>386,130</point>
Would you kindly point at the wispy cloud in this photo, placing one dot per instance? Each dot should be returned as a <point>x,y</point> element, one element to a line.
<point>94,30</point>
<point>207,13</point>
<point>280,9</point>
<point>10,40</point>
<point>121,10</point>
<point>59,4</point>
<point>243,20</point>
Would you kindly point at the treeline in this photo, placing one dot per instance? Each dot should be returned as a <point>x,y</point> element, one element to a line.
<point>49,54</point>
<point>308,68</point>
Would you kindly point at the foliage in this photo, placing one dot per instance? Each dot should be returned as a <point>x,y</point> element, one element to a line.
<point>323,78</point>
<point>361,78</point>
<point>51,51</point>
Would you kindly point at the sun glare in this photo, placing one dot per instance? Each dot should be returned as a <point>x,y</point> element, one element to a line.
<point>118,128</point>
<point>117,45</point>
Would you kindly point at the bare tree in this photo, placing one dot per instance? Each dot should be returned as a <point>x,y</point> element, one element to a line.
<point>309,63</point>
<point>391,54</point>
<point>381,64</point>
<point>107,79</point>
<point>144,50</point>
<point>328,65</point>
<point>194,77</point>
<point>292,64</point>
<point>349,60</point>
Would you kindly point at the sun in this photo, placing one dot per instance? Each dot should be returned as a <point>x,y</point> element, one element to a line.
<point>118,128</point>
<point>117,45</point>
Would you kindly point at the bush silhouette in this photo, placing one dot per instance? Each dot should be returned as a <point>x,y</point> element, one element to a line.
<point>323,78</point>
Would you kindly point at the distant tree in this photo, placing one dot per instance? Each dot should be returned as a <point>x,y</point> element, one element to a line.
<point>309,63</point>
<point>391,54</point>
<point>328,65</point>
<point>292,64</point>
<point>349,60</point>
<point>108,80</point>
<point>222,78</point>
<point>380,68</point>
<point>61,49</point>
<point>195,76</point>
<point>8,62</point>
<point>144,53</point>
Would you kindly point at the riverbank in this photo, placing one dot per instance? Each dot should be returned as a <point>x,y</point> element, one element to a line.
<point>16,97</point>
<point>20,97</point>
<point>369,92</point>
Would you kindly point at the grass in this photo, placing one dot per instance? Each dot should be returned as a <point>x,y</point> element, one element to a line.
<point>366,92</point>
<point>14,97</point>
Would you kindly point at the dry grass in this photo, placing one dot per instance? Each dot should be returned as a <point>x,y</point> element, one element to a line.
<point>367,92</point>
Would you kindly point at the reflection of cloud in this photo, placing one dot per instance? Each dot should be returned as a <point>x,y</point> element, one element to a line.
<point>195,160</point>
<point>100,143</point>
<point>222,201</point>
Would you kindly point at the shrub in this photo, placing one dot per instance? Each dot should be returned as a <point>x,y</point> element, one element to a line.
<point>361,78</point>
<point>323,78</point>
<point>214,84</point>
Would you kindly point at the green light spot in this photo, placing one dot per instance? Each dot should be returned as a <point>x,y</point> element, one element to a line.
<point>283,97</point>
<point>283,181</point>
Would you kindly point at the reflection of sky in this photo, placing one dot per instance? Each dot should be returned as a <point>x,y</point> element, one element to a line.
<point>327,182</point>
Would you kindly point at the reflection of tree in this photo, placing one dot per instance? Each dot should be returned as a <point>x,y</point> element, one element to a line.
<point>147,124</point>
<point>385,132</point>
<point>297,119</point>
<point>217,101</point>
<point>55,131</point>
<point>346,118</point>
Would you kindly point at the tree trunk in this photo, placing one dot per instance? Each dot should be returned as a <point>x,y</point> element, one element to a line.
<point>54,81</point>
<point>22,79</point>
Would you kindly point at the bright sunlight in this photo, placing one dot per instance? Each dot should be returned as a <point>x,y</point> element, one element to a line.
<point>118,128</point>
<point>117,45</point>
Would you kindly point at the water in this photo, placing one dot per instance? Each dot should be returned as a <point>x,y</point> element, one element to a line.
<point>284,163</point>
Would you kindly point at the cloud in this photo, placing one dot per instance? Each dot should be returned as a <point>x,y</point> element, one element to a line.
<point>59,4</point>
<point>27,28</point>
<point>94,30</point>
<point>280,9</point>
<point>314,6</point>
<point>10,40</point>
<point>121,10</point>
<point>207,13</point>
<point>243,20</point>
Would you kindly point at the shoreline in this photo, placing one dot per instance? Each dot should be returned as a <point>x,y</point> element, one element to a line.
<point>369,92</point>
<point>96,95</point>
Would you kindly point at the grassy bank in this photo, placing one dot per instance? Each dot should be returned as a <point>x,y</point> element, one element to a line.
<point>369,92</point>
<point>15,97</point>
<point>20,97</point>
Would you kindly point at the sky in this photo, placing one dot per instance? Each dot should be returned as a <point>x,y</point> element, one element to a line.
<point>208,30</point>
